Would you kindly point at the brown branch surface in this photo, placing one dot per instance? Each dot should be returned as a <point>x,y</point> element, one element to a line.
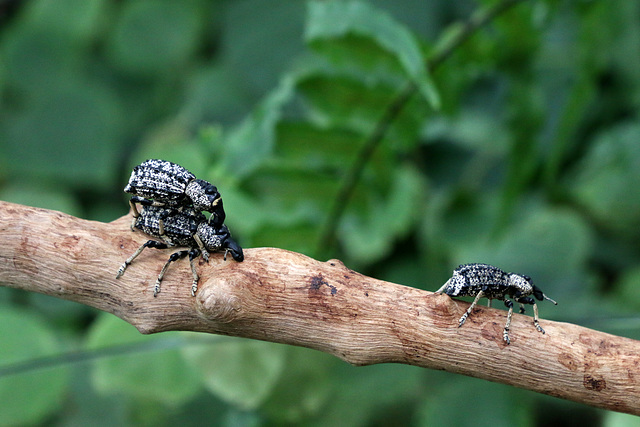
<point>286,297</point>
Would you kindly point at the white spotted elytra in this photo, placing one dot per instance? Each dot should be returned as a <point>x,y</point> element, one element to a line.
<point>487,281</point>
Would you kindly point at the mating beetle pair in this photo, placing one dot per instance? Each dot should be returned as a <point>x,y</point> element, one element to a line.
<point>162,183</point>
<point>173,201</point>
<point>484,280</point>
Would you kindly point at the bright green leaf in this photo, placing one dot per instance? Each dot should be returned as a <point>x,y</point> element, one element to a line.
<point>344,102</point>
<point>407,195</point>
<point>335,20</point>
<point>348,104</point>
<point>251,143</point>
<point>369,235</point>
<point>293,187</point>
<point>556,239</point>
<point>617,419</point>
<point>248,214</point>
<point>304,388</point>
<point>162,375</point>
<point>239,371</point>
<point>317,148</point>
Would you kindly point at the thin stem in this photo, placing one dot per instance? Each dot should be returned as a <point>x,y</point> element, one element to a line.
<point>444,51</point>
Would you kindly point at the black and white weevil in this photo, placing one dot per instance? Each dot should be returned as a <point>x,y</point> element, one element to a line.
<point>182,227</point>
<point>162,183</point>
<point>484,280</point>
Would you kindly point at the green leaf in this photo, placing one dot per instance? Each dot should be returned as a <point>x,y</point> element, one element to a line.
<point>510,407</point>
<point>258,40</point>
<point>369,235</point>
<point>298,236</point>
<point>344,102</point>
<point>459,219</point>
<point>248,212</point>
<point>73,139</point>
<point>347,104</point>
<point>317,148</point>
<point>70,20</point>
<point>154,36</point>
<point>553,241</point>
<point>616,419</point>
<point>239,371</point>
<point>28,398</point>
<point>627,290</point>
<point>330,21</point>
<point>374,395</point>
<point>408,193</point>
<point>251,143</point>
<point>304,388</point>
<point>162,375</point>
<point>608,179</point>
<point>293,187</point>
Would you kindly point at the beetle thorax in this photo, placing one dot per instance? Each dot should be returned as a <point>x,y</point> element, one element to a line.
<point>520,283</point>
<point>211,239</point>
<point>197,191</point>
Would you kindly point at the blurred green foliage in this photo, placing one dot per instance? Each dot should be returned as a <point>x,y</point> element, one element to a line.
<point>520,149</point>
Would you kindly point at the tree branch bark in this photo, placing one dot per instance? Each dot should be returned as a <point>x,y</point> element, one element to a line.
<point>281,296</point>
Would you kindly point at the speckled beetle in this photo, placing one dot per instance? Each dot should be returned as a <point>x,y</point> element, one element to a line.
<point>162,183</point>
<point>182,227</point>
<point>484,280</point>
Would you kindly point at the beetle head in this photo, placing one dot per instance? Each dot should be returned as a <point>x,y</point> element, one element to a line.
<point>540,295</point>
<point>235,249</point>
<point>204,195</point>
<point>219,238</point>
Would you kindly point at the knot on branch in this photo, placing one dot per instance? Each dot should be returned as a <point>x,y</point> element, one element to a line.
<point>217,299</point>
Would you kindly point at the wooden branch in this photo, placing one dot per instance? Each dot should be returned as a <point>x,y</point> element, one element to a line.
<point>286,297</point>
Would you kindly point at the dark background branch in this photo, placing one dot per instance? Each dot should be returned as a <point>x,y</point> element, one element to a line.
<point>461,34</point>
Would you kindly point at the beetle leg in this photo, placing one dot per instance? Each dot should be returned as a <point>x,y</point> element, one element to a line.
<point>535,318</point>
<point>174,257</point>
<point>148,244</point>
<point>505,334</point>
<point>205,253</point>
<point>161,231</point>
<point>134,211</point>
<point>441,290</point>
<point>193,254</point>
<point>468,312</point>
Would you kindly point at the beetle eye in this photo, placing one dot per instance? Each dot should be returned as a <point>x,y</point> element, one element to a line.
<point>538,294</point>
